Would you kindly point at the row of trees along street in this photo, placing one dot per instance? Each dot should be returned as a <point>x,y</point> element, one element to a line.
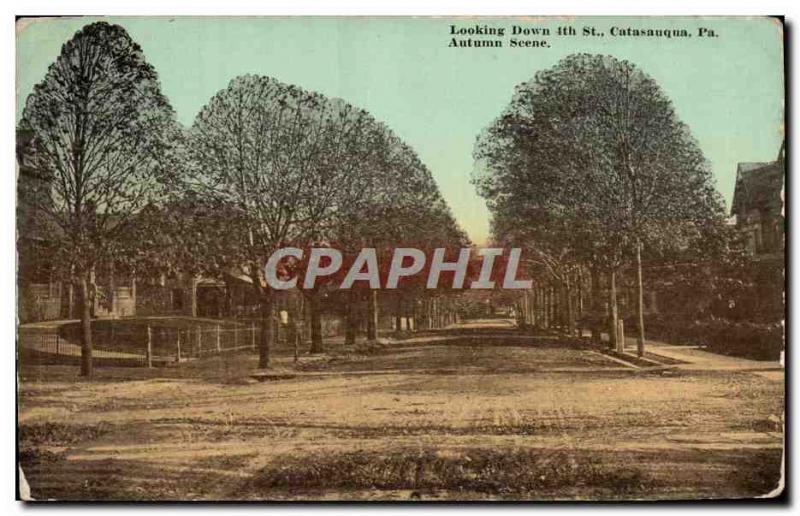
<point>263,165</point>
<point>591,172</point>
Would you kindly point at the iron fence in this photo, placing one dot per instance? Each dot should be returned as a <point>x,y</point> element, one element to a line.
<point>144,346</point>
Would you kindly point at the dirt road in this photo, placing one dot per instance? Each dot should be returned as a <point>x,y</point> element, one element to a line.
<point>475,419</point>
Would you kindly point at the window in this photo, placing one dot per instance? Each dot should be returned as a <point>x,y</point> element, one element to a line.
<point>177,299</point>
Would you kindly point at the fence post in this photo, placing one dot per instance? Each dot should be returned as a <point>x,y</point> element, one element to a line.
<point>198,341</point>
<point>236,336</point>
<point>253,335</point>
<point>219,347</point>
<point>178,348</point>
<point>149,347</point>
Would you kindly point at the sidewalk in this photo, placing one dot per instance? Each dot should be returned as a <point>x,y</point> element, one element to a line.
<point>700,361</point>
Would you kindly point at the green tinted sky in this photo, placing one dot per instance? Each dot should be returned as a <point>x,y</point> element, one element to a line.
<point>728,89</point>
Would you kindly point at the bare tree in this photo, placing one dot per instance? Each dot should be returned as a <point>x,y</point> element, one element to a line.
<point>595,139</point>
<point>297,168</point>
<point>102,139</point>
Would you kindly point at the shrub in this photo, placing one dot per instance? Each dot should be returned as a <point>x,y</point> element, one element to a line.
<point>745,339</point>
<point>758,341</point>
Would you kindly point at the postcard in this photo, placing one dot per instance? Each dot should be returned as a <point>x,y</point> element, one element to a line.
<point>404,259</point>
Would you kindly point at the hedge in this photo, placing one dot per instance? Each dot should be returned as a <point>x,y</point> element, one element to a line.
<point>758,341</point>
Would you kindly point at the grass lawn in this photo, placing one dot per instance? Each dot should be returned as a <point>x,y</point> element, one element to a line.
<point>443,421</point>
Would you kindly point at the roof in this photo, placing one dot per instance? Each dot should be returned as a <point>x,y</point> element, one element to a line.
<point>749,166</point>
<point>759,185</point>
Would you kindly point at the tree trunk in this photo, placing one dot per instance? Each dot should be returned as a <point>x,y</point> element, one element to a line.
<point>111,286</point>
<point>372,316</point>
<point>595,303</point>
<point>612,300</point>
<point>69,311</point>
<point>546,308</point>
<point>556,318</point>
<point>133,289</point>
<point>350,319</point>
<point>529,301</point>
<point>292,335</point>
<point>398,314</point>
<point>639,299</point>
<point>523,308</point>
<point>87,367</point>
<point>92,293</point>
<point>317,345</point>
<point>526,307</point>
<point>570,312</point>
<point>265,339</point>
<point>228,310</point>
<point>545,299</point>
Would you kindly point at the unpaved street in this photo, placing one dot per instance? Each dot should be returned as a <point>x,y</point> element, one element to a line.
<point>492,416</point>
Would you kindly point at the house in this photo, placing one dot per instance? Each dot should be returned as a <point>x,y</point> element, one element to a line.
<point>44,290</point>
<point>39,291</point>
<point>757,209</point>
<point>758,206</point>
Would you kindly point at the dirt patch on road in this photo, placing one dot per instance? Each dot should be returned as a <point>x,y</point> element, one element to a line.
<point>527,473</point>
<point>517,473</point>
<point>467,357</point>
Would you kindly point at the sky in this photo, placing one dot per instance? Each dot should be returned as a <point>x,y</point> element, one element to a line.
<point>728,88</point>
